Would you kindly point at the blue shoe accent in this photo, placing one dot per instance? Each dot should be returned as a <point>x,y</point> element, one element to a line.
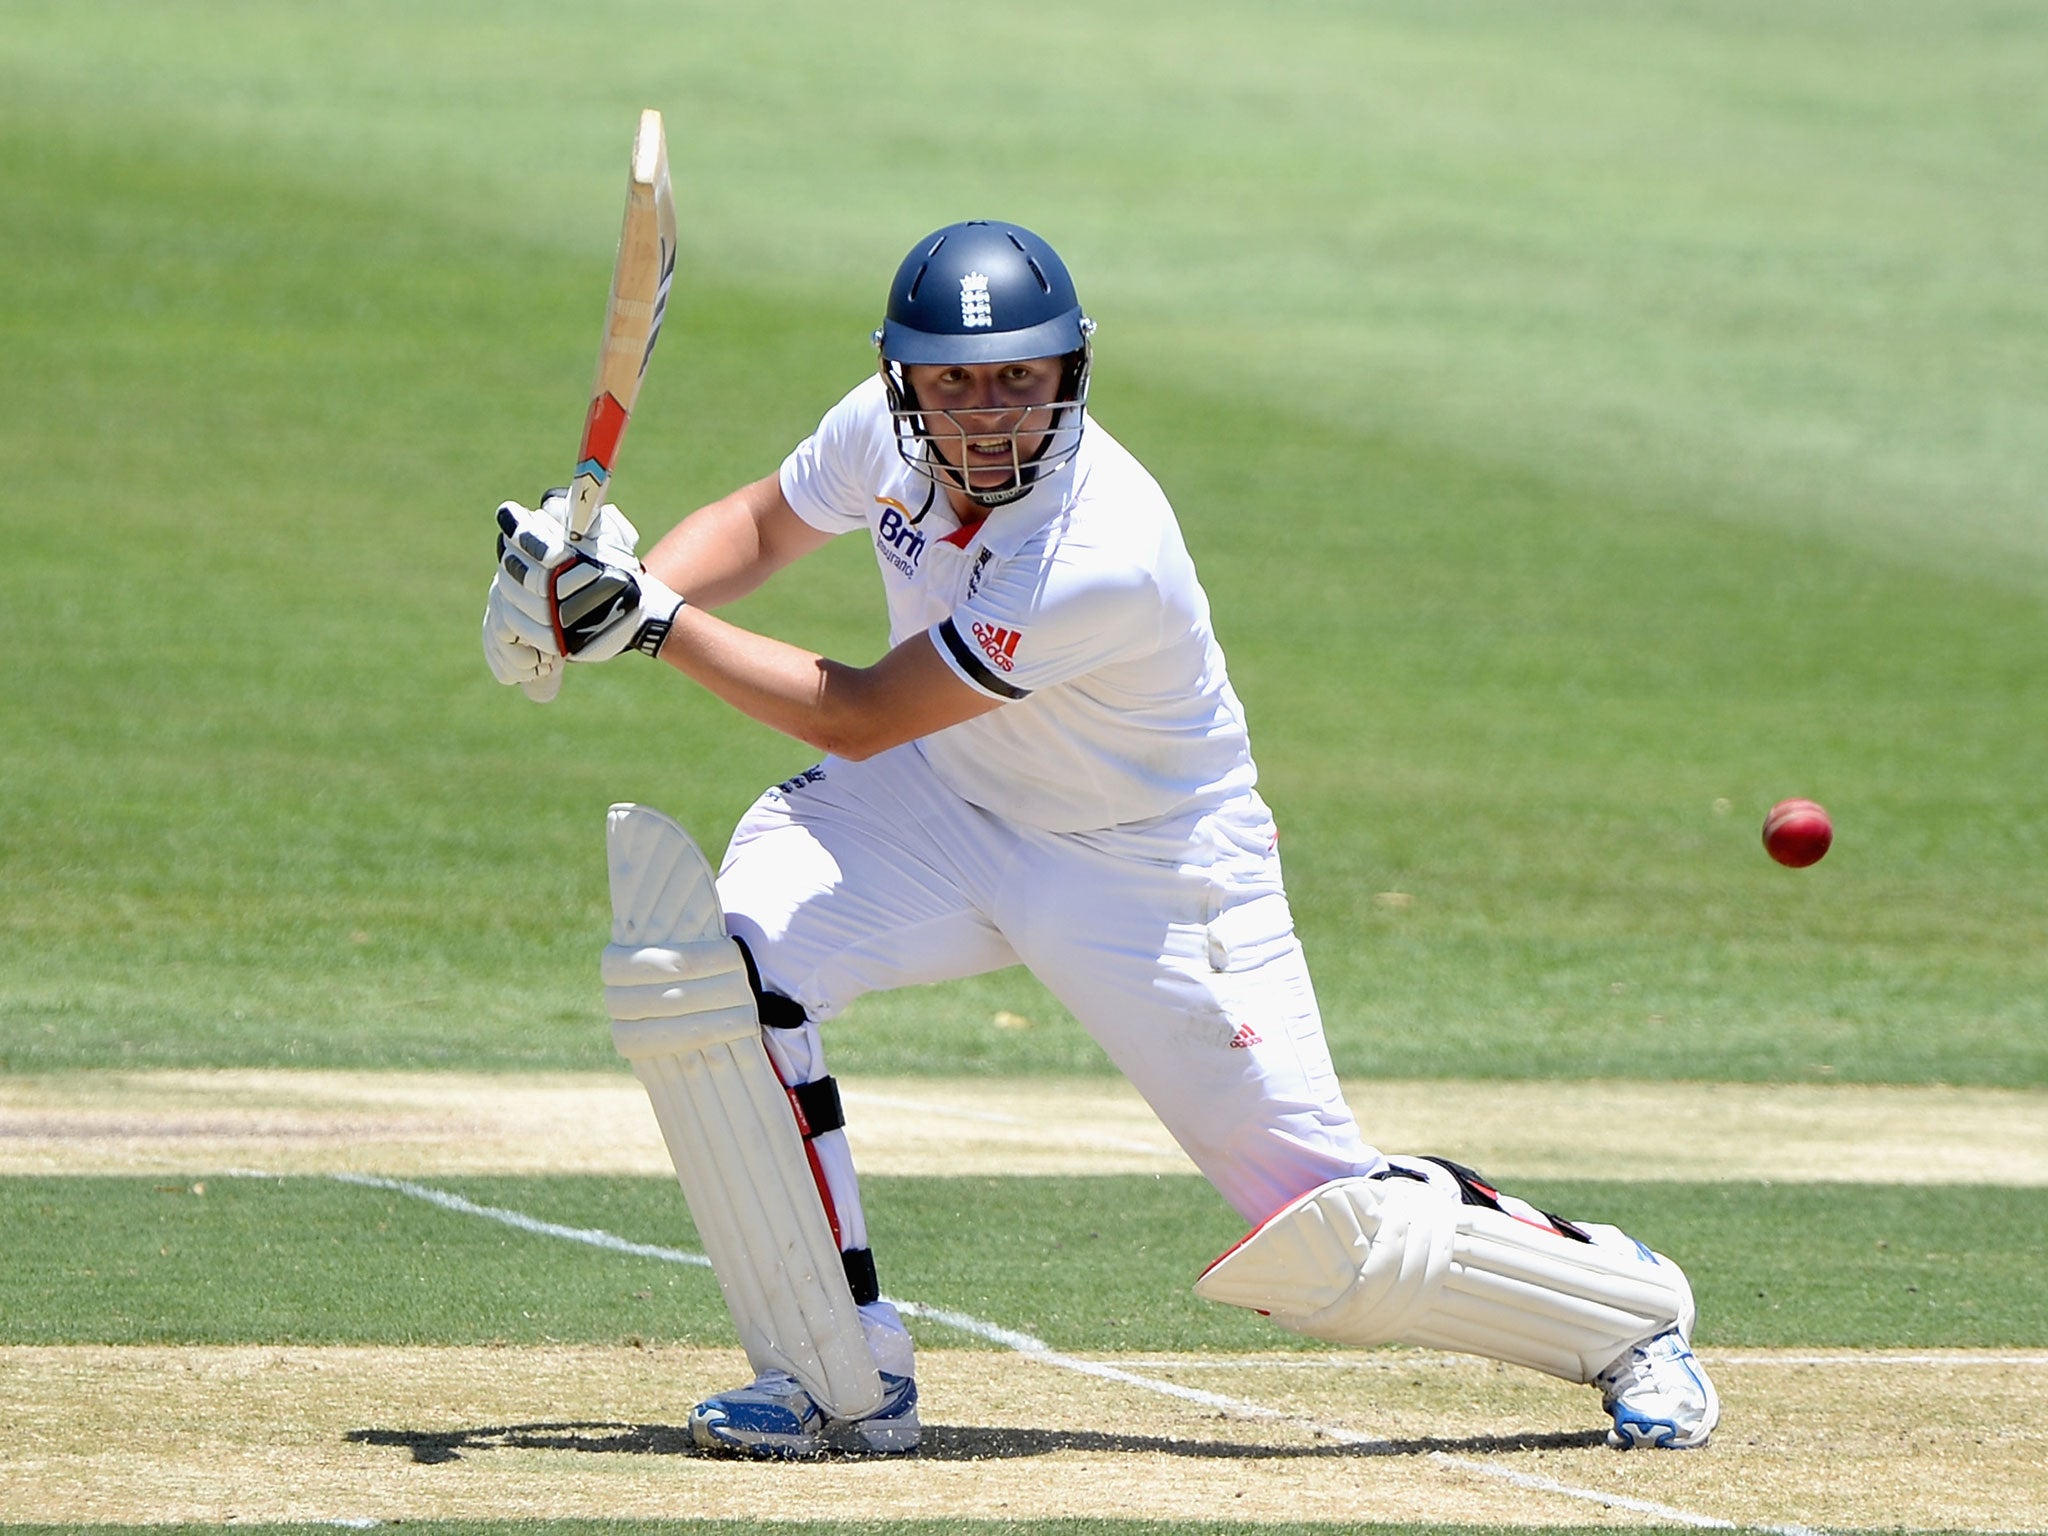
<point>1659,1396</point>
<point>1635,1431</point>
<point>773,1418</point>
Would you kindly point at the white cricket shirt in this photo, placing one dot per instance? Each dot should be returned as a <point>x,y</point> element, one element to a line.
<point>1077,604</point>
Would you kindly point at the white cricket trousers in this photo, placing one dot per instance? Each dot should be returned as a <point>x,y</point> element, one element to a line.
<point>1171,942</point>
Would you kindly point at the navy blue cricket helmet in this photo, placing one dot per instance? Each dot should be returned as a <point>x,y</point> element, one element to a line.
<point>984,292</point>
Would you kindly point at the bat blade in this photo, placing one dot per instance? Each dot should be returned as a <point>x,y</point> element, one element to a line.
<point>641,278</point>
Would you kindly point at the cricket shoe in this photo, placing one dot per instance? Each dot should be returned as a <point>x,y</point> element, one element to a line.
<point>1659,1396</point>
<point>775,1418</point>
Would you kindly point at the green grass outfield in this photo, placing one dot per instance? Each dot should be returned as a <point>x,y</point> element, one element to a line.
<point>1592,426</point>
<point>1593,422</point>
<point>1100,1264</point>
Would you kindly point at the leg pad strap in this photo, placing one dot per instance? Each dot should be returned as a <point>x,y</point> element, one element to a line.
<point>817,1107</point>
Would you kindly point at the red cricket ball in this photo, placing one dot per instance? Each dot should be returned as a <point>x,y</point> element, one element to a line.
<point>1797,833</point>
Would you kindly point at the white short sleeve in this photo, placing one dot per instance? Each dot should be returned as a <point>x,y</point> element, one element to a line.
<point>828,478</point>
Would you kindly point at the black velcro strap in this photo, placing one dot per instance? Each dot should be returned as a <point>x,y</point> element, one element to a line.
<point>1472,1186</point>
<point>860,1275</point>
<point>817,1106</point>
<point>1392,1172</point>
<point>1474,1190</point>
<point>777,1011</point>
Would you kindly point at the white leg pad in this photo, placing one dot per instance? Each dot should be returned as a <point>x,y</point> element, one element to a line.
<point>1397,1260</point>
<point>685,1017</point>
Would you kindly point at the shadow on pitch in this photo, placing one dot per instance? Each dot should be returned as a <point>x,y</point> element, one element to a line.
<point>942,1442</point>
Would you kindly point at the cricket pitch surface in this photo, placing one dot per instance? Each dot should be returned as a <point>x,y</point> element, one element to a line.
<point>1810,1440</point>
<point>286,1434</point>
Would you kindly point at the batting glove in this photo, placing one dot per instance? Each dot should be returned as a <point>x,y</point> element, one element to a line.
<point>518,649</point>
<point>511,651</point>
<point>592,598</point>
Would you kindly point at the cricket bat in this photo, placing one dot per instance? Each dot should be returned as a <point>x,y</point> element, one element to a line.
<point>641,277</point>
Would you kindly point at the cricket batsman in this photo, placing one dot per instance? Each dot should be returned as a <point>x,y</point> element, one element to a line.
<point>1048,767</point>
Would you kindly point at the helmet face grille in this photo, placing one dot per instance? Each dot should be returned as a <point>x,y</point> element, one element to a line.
<point>1054,429</point>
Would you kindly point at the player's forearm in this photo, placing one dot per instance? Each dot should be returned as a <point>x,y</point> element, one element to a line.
<point>783,686</point>
<point>723,551</point>
<point>713,556</point>
<point>851,712</point>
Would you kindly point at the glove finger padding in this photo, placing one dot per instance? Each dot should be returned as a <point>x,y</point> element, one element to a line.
<point>509,648</point>
<point>521,617</point>
<point>515,660</point>
<point>533,547</point>
<point>530,544</point>
<point>512,662</point>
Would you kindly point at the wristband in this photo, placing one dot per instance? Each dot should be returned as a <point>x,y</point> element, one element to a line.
<point>654,632</point>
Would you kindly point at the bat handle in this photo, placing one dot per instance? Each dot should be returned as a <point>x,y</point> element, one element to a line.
<point>585,502</point>
<point>542,690</point>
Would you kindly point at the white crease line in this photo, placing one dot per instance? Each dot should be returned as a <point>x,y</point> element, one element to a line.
<point>1614,1500</point>
<point>591,1235</point>
<point>1037,1349</point>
